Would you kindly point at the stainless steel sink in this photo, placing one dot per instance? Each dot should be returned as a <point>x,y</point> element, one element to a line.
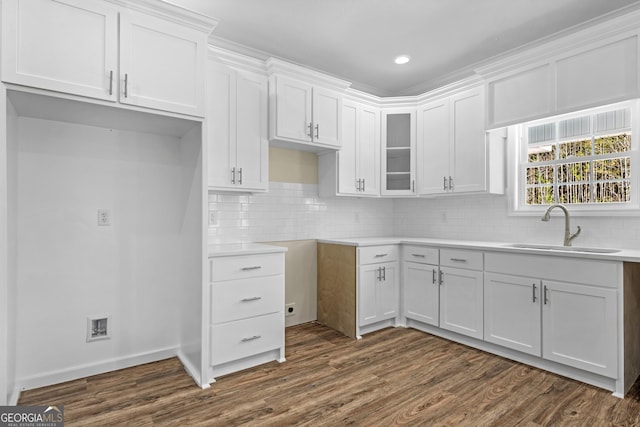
<point>562,248</point>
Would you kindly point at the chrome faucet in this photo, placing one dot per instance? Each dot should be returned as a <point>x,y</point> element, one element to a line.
<point>568,237</point>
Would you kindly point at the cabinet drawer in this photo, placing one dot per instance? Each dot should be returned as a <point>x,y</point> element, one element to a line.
<point>239,299</point>
<point>420,254</point>
<point>245,266</point>
<point>248,337</point>
<point>471,260</point>
<point>376,254</point>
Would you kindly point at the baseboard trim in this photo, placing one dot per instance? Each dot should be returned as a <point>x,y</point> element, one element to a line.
<point>14,397</point>
<point>192,370</point>
<point>88,370</point>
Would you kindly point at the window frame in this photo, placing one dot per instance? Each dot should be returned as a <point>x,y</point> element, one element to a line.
<point>517,155</point>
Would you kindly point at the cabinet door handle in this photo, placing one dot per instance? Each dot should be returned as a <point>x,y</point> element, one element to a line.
<point>310,133</point>
<point>441,277</point>
<point>380,255</point>
<point>111,82</point>
<point>233,175</point>
<point>126,85</point>
<point>379,274</point>
<point>384,273</point>
<point>317,131</point>
<point>450,184</point>
<point>240,176</point>
<point>458,259</point>
<point>251,299</point>
<point>534,292</point>
<point>364,184</point>
<point>255,267</point>
<point>255,337</point>
<point>444,183</point>
<point>545,298</point>
<point>359,185</point>
<point>433,276</point>
<point>418,255</point>
<point>413,185</point>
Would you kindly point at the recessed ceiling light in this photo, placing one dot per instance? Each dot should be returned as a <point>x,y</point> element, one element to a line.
<point>402,59</point>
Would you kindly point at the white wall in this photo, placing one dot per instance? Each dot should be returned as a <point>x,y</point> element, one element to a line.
<point>69,268</point>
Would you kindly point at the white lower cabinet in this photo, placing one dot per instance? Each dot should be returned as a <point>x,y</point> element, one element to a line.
<point>246,325</point>
<point>564,310</point>
<point>579,327</point>
<point>461,292</point>
<point>512,312</point>
<point>377,296</point>
<point>421,290</point>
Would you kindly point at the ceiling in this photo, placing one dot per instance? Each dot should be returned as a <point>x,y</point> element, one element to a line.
<point>357,40</point>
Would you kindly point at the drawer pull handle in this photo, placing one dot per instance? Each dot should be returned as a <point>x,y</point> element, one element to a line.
<point>380,255</point>
<point>253,338</point>
<point>458,260</point>
<point>255,267</point>
<point>418,255</point>
<point>251,299</point>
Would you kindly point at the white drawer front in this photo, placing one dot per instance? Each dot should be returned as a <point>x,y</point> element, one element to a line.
<point>375,254</point>
<point>471,260</point>
<point>243,338</point>
<point>420,254</point>
<point>239,299</point>
<point>245,266</point>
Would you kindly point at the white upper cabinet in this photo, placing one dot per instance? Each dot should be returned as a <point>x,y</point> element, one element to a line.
<point>398,152</point>
<point>355,169</point>
<point>238,148</point>
<point>581,71</point>
<point>452,145</point>
<point>305,107</point>
<point>161,64</point>
<point>66,46</point>
<point>71,46</point>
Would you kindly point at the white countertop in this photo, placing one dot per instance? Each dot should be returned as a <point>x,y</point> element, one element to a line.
<point>231,249</point>
<point>628,255</point>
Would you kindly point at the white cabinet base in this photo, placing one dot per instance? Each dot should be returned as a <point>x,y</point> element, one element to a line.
<point>245,363</point>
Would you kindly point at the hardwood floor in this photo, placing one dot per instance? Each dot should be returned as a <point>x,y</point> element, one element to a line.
<point>390,377</point>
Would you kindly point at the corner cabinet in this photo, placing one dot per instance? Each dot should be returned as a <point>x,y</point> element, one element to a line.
<point>452,145</point>
<point>398,152</point>
<point>355,168</point>
<point>106,52</point>
<point>236,133</point>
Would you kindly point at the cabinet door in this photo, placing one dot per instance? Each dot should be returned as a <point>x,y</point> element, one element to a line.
<point>368,152</point>
<point>512,312</point>
<point>433,148</point>
<point>347,156</point>
<point>161,64</point>
<point>67,46</point>
<point>398,152</point>
<point>293,110</point>
<point>461,301</point>
<point>469,156</point>
<point>252,144</point>
<point>421,292</point>
<point>327,115</point>
<point>377,292</point>
<point>579,327</point>
<point>221,129</point>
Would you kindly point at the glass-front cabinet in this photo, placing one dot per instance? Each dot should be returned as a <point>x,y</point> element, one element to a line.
<point>398,152</point>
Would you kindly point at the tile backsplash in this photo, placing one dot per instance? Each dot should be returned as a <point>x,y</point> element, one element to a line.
<point>292,211</point>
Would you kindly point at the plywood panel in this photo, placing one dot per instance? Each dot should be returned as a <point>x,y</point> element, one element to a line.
<point>337,287</point>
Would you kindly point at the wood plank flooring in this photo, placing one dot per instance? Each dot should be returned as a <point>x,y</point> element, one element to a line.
<point>391,377</point>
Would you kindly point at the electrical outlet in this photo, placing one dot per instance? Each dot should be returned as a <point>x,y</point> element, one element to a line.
<point>290,309</point>
<point>104,217</point>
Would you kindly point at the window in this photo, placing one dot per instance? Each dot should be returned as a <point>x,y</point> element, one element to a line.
<point>584,160</point>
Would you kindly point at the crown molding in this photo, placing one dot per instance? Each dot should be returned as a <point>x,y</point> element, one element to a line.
<point>170,12</point>
<point>280,67</point>
<point>236,60</point>
<point>601,30</point>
